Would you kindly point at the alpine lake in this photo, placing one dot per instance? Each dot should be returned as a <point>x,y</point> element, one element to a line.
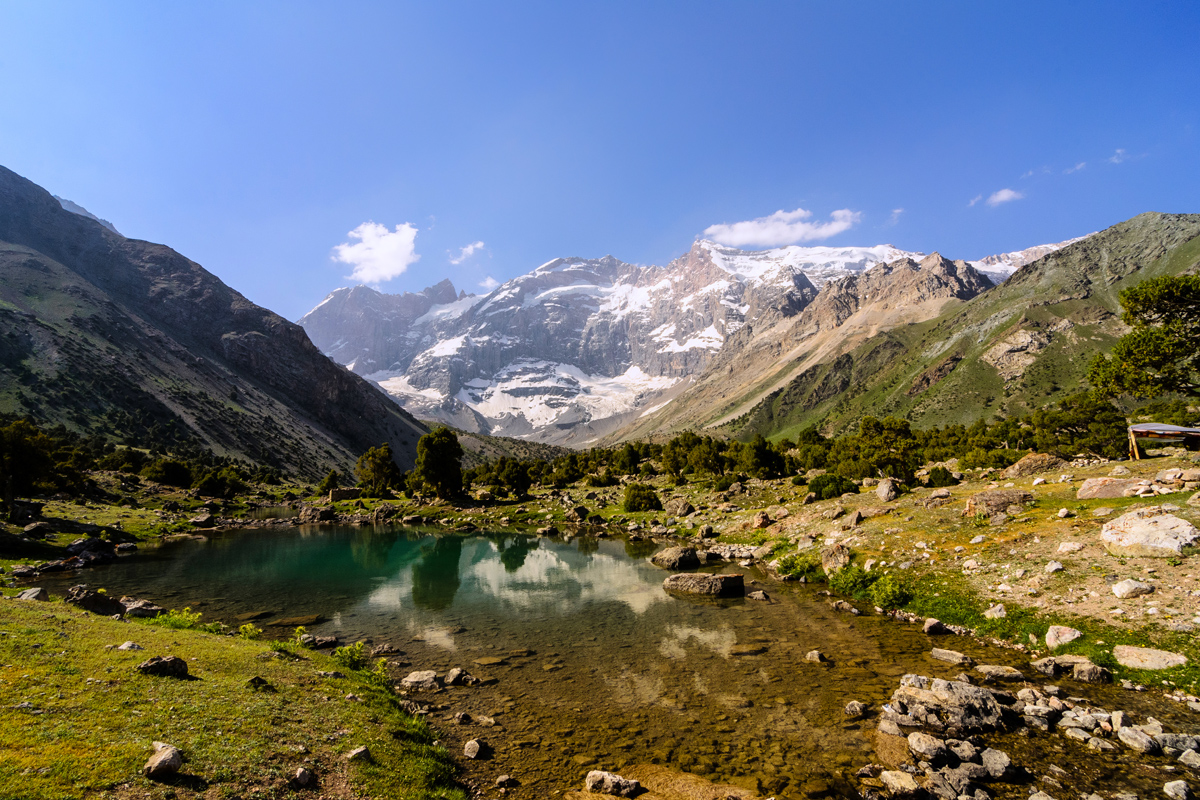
<point>587,663</point>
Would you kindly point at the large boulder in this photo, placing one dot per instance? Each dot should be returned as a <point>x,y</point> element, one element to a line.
<point>1148,532</point>
<point>1146,657</point>
<point>835,557</point>
<point>953,707</point>
<point>609,783</point>
<point>93,601</point>
<point>997,501</point>
<point>1032,464</point>
<point>1105,488</point>
<point>886,490</point>
<point>706,585</point>
<point>678,507</point>
<point>676,558</point>
<point>141,608</point>
<point>34,593</point>
<point>164,667</point>
<point>165,762</point>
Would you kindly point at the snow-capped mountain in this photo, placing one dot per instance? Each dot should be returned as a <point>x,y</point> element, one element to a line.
<point>576,343</point>
<point>1000,267</point>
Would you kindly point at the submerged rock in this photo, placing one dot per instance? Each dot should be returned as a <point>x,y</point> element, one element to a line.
<point>706,585</point>
<point>610,783</point>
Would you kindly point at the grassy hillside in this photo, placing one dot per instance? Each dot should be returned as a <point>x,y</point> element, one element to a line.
<point>1009,351</point>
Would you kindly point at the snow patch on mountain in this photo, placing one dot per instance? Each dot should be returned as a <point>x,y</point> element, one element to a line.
<point>819,264</point>
<point>1001,266</point>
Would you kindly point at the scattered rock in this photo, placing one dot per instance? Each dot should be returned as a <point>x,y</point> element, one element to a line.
<point>996,502</point>
<point>815,656</point>
<point>1060,634</point>
<point>610,783</point>
<point>886,491</point>
<point>130,646</point>
<point>475,749</point>
<point>1146,658</point>
<point>1177,790</point>
<point>1137,740</point>
<point>899,784</point>
<point>1053,567</point>
<point>997,763</point>
<point>303,777</point>
<point>1105,488</point>
<point>164,667</point>
<point>93,601</point>
<point>1147,532</point>
<point>757,595</point>
<point>834,558</point>
<point>1032,464</point>
<point>360,754</point>
<point>934,627</point>
<point>676,558</point>
<point>165,762</point>
<point>926,747</point>
<point>421,681</point>
<point>996,672</point>
<point>996,612</point>
<point>35,593</point>
<point>1131,588</point>
<point>707,585</point>
<point>952,657</point>
<point>854,709</point>
<point>844,607</point>
<point>142,609</point>
<point>1069,547</point>
<point>506,782</point>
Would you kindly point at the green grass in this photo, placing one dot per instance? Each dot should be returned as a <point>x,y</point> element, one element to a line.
<point>99,716</point>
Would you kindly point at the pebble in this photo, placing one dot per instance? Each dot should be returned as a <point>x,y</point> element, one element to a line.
<point>1053,567</point>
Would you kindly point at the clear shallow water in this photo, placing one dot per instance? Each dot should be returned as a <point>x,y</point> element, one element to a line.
<point>620,672</point>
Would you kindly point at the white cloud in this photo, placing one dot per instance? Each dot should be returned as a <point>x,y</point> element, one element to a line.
<point>489,283</point>
<point>975,200</point>
<point>895,217</point>
<point>1028,174</point>
<point>782,227</point>
<point>1003,196</point>
<point>379,254</point>
<point>1075,168</point>
<point>1118,157</point>
<point>466,252</point>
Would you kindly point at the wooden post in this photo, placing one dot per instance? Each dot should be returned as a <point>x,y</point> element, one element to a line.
<point>1133,447</point>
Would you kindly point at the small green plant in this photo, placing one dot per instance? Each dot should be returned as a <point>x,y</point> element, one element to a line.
<point>981,520</point>
<point>890,592</point>
<point>639,497</point>
<point>829,486</point>
<point>352,656</point>
<point>180,620</point>
<point>940,477</point>
<point>379,675</point>
<point>805,564</point>
<point>249,631</point>
<point>299,634</point>
<point>852,581</point>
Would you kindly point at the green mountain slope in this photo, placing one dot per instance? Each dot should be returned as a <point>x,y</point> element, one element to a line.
<point>130,339</point>
<point>1010,350</point>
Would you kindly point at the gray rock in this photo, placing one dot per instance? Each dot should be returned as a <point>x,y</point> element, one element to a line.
<point>1105,488</point>
<point>855,709</point>
<point>996,612</point>
<point>815,656</point>
<point>934,627</point>
<point>1147,532</point>
<point>997,763</point>
<point>1190,759</point>
<point>130,646</point>
<point>475,749</point>
<point>360,754</point>
<point>421,681</point>
<point>506,782</point>
<point>1147,658</point>
<point>1177,790</point>
<point>1131,588</point>
<point>1096,743</point>
<point>952,657</point>
<point>1060,635</point>
<point>899,784</point>
<point>142,609</point>
<point>926,747</point>
<point>886,491</point>
<point>164,667</point>
<point>165,762</point>
<point>707,585</point>
<point>93,601</point>
<point>757,595</point>
<point>1053,567</point>
<point>676,558</point>
<point>1135,739</point>
<point>964,750</point>
<point>996,672</point>
<point>601,782</point>
<point>303,777</point>
<point>34,593</point>
<point>996,502</point>
<point>834,558</point>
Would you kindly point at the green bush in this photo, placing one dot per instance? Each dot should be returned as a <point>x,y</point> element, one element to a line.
<point>249,631</point>
<point>169,472</point>
<point>639,497</point>
<point>829,486</point>
<point>184,620</point>
<point>939,477</point>
<point>799,480</point>
<point>352,656</point>
<point>852,581</point>
<point>805,564</point>
<point>602,479</point>
<point>890,592</point>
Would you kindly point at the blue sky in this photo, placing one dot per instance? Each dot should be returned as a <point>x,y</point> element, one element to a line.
<point>255,137</point>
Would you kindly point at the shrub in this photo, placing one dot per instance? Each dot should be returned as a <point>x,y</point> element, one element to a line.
<point>184,620</point>
<point>852,581</point>
<point>352,656</point>
<point>602,479</point>
<point>330,482</point>
<point>805,564</point>
<point>639,497</point>
<point>249,631</point>
<point>799,480</point>
<point>169,472</point>
<point>940,476</point>
<point>890,592</point>
<point>829,486</point>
